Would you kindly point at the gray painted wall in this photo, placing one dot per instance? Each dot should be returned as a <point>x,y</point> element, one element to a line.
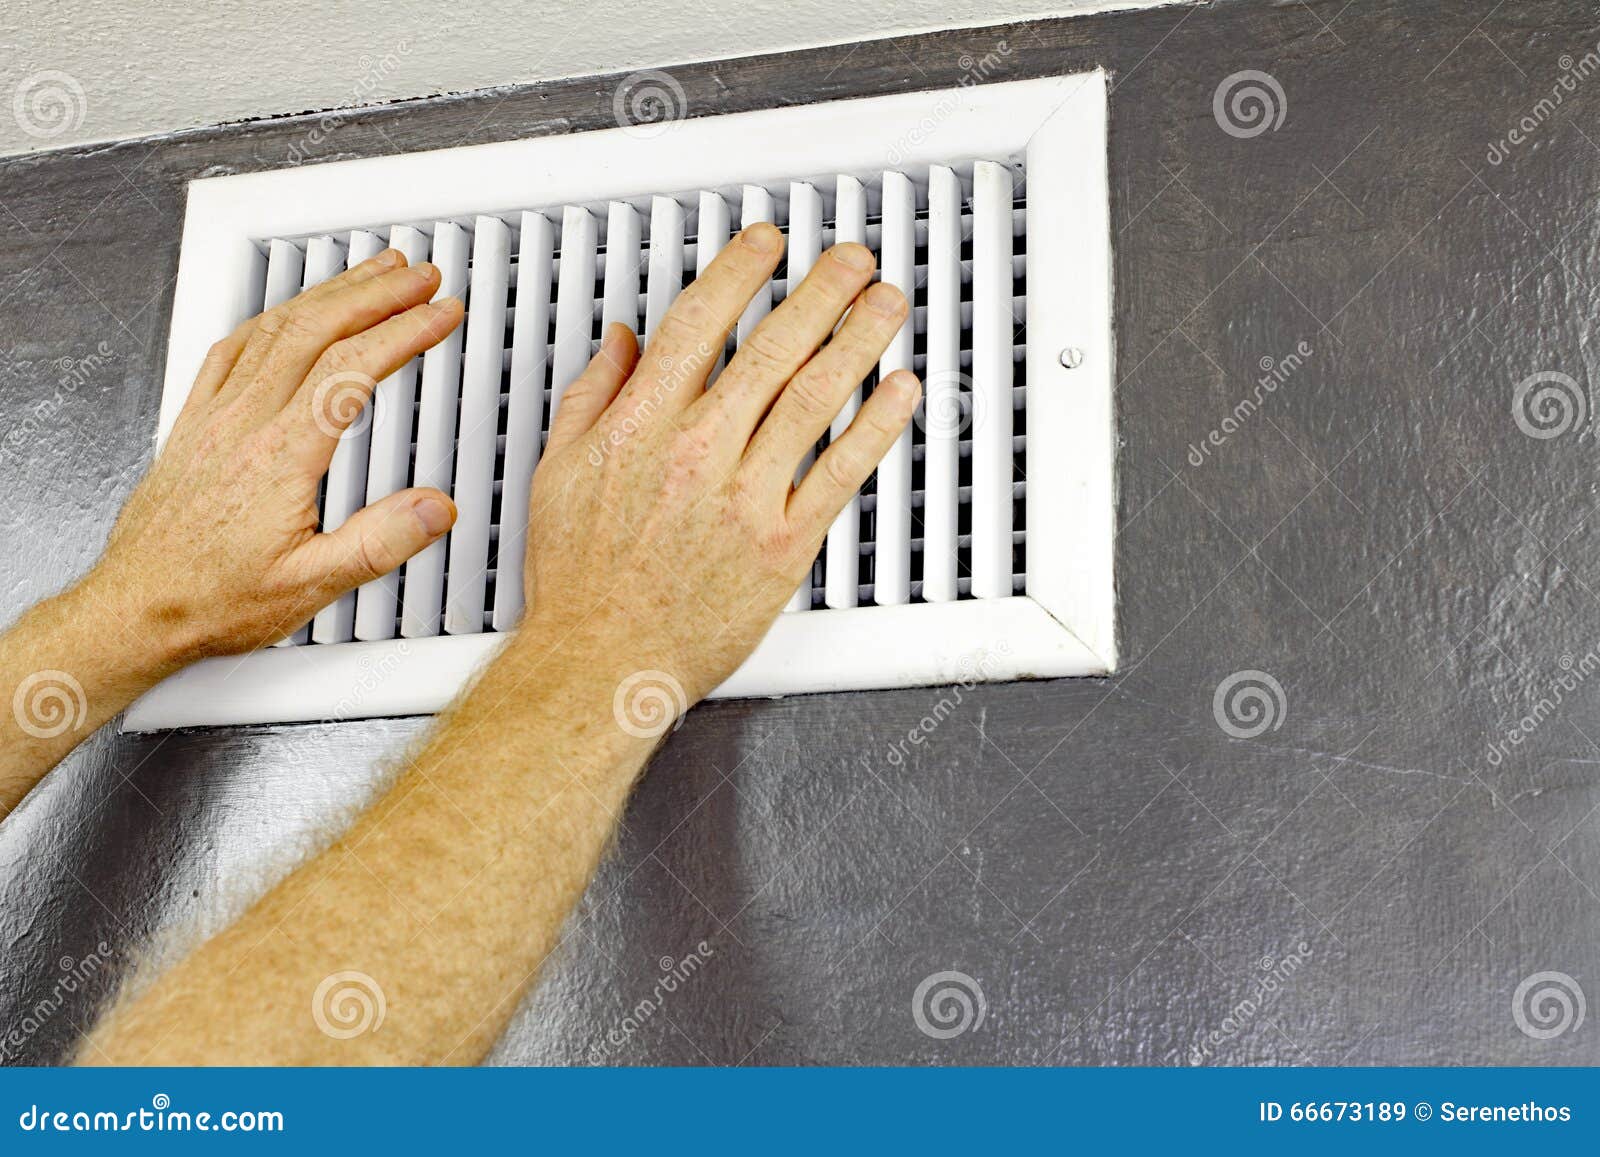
<point>1114,870</point>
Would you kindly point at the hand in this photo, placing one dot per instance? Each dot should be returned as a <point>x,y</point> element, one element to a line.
<point>218,550</point>
<point>666,532</point>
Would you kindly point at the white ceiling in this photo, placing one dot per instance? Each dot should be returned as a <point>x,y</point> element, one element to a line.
<point>79,71</point>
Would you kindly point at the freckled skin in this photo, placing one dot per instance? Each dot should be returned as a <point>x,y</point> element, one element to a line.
<point>665,535</point>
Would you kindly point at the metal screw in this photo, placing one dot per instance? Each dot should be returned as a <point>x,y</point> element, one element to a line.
<point>1072,357</point>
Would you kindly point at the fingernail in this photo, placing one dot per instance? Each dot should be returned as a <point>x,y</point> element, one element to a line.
<point>884,299</point>
<point>427,271</point>
<point>389,257</point>
<point>853,255</point>
<point>763,238</point>
<point>435,516</point>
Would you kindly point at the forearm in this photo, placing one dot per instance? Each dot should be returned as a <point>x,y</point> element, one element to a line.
<point>447,894</point>
<point>67,666</point>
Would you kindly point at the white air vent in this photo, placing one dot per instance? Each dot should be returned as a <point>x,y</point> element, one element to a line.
<point>981,550</point>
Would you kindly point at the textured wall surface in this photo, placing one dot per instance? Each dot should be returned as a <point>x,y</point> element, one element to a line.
<point>99,70</point>
<point>1124,877</point>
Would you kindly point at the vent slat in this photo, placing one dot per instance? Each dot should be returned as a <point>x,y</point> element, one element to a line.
<point>712,232</point>
<point>346,489</point>
<point>285,267</point>
<point>389,457</point>
<point>665,278</point>
<point>436,428</point>
<point>480,425</point>
<point>574,302</point>
<point>843,558</point>
<point>530,331</point>
<point>621,300</point>
<point>943,406</point>
<point>757,206</point>
<point>892,515</point>
<point>324,259</point>
<point>992,325</point>
<point>805,247</point>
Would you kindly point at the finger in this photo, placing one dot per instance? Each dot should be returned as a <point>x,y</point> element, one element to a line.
<point>368,269</point>
<point>219,362</point>
<point>686,344</point>
<point>374,541</point>
<point>813,396</point>
<point>285,345</point>
<point>786,339</point>
<point>336,392</point>
<point>593,390</point>
<point>845,465</point>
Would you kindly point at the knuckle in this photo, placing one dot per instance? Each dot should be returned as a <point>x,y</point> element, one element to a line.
<point>689,317</point>
<point>769,346</point>
<point>842,468</point>
<point>808,396</point>
<point>300,324</point>
<point>371,559</point>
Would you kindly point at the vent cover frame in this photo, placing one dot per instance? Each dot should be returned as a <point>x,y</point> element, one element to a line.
<point>1063,624</point>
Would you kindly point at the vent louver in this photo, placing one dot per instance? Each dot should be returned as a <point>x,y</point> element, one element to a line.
<point>992,220</point>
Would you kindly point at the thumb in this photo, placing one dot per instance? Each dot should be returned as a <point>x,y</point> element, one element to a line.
<point>378,538</point>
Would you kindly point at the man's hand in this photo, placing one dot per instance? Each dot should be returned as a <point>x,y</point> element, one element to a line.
<point>665,535</point>
<point>218,549</point>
